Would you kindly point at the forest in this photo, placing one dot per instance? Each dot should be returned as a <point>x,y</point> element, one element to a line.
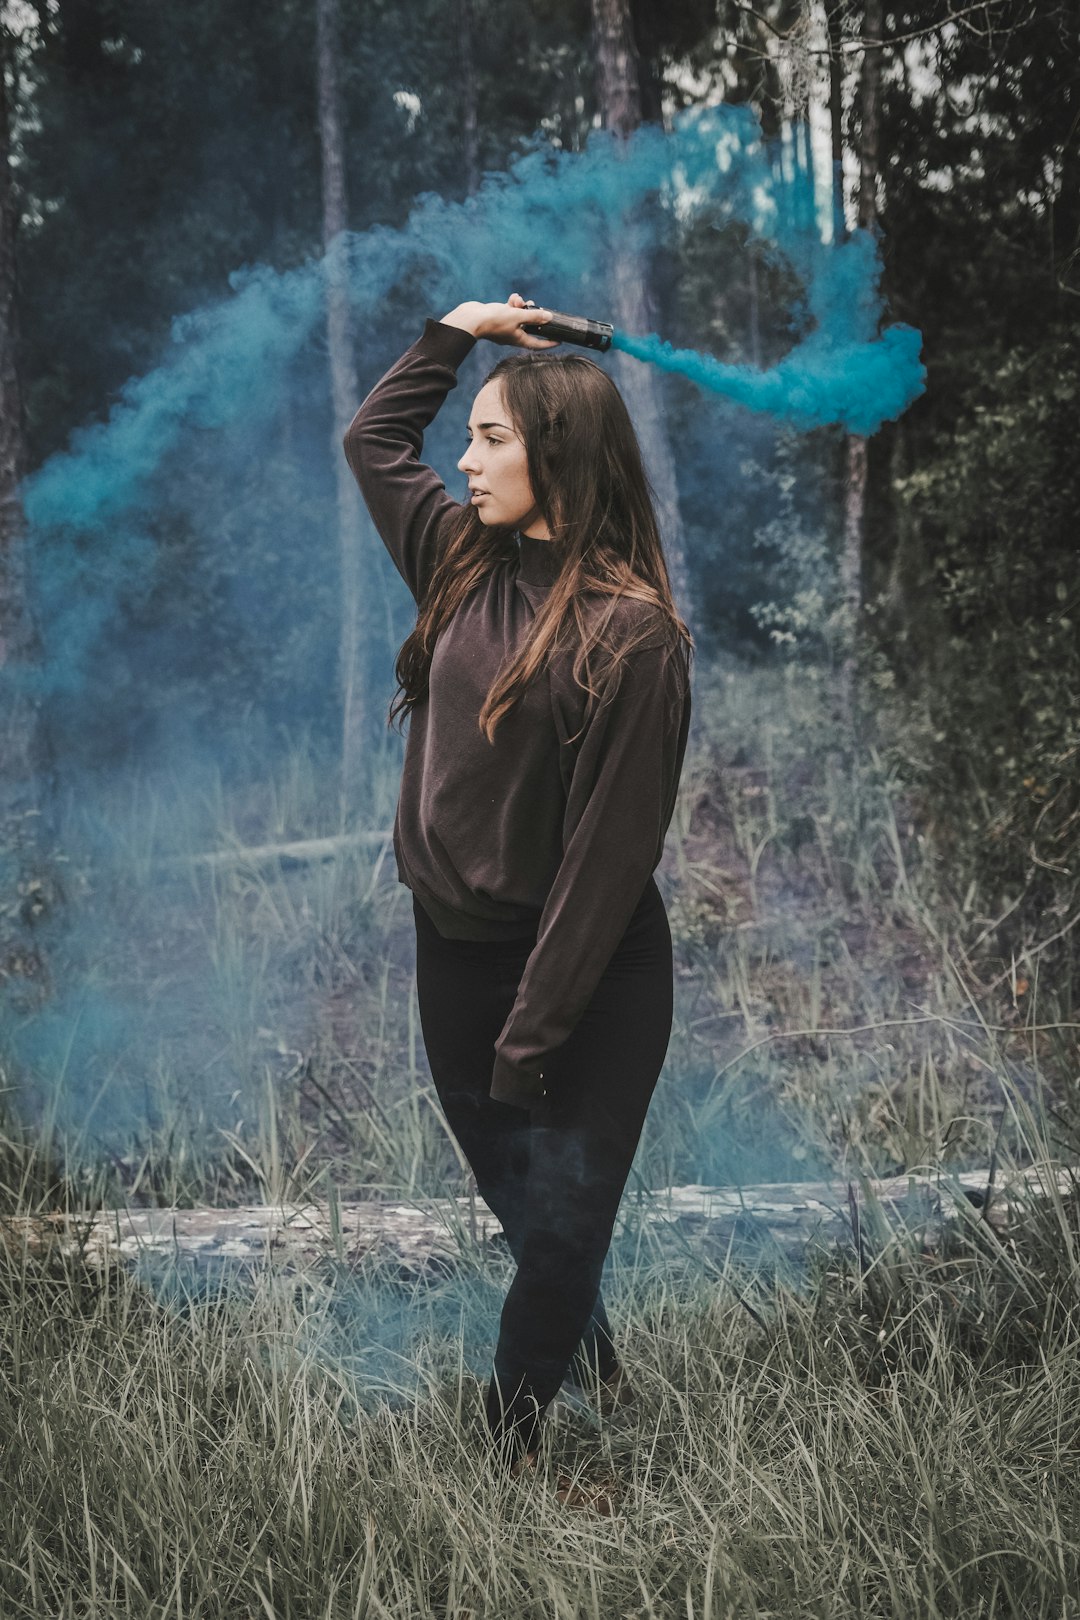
<point>847,232</point>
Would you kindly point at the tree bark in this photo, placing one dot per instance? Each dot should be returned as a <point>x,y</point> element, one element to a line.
<point>869,98</point>
<point>353,530</point>
<point>804,148</point>
<point>470,143</point>
<point>618,90</point>
<point>764,1222</point>
<point>279,225</point>
<point>857,450</point>
<point>24,888</point>
<point>836,120</point>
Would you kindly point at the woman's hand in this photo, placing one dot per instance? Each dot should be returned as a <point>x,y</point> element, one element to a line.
<point>502,323</point>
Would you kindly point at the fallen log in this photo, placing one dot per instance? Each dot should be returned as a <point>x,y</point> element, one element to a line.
<point>775,1219</point>
<point>302,852</point>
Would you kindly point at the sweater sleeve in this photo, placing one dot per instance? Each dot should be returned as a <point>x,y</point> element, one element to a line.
<point>620,802</point>
<point>407,500</point>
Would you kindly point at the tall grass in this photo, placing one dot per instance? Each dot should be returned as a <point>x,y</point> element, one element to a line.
<point>895,1436</point>
<point>900,1437</point>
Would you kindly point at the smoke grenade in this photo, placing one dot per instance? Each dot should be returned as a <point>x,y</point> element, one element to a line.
<point>574,329</point>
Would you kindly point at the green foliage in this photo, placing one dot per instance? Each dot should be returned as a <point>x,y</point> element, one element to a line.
<point>995,741</point>
<point>806,615</point>
<point>972,645</point>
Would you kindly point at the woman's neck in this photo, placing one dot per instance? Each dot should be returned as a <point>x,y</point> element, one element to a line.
<point>539,560</point>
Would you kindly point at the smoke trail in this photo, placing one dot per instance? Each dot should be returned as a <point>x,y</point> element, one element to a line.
<point>827,379</point>
<point>548,225</point>
<point>185,467</point>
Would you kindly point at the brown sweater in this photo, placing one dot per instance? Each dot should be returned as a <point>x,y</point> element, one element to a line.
<point>535,831</point>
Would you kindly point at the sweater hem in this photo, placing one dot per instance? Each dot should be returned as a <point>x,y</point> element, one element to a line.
<point>454,924</point>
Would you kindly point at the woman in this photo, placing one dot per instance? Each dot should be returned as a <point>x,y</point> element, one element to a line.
<point>548,684</point>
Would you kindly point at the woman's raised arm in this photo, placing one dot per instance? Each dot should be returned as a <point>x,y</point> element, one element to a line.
<point>407,500</point>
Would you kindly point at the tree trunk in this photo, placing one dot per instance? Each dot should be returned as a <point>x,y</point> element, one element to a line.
<point>279,225</point>
<point>618,89</point>
<point>24,889</point>
<point>353,530</point>
<point>804,147</point>
<point>851,561</point>
<point>869,98</point>
<point>470,144</point>
<point>755,303</point>
<point>836,121</point>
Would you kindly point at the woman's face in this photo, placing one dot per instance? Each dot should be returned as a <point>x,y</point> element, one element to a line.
<point>497,469</point>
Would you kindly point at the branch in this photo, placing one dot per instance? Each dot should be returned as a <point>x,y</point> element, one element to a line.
<point>860,43</point>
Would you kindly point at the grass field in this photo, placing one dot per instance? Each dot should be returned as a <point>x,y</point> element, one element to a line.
<point>903,1442</point>
<point>898,1437</point>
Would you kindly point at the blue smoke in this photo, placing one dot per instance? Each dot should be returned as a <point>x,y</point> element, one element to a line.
<point>188,450</point>
<point>839,374</point>
<point>854,385</point>
<point>545,226</point>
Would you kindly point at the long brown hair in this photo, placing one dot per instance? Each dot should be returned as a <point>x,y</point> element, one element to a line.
<point>590,485</point>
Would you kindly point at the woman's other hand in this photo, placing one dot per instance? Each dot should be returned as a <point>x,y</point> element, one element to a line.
<point>502,323</point>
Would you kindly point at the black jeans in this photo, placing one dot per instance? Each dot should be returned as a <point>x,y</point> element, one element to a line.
<point>554,1174</point>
